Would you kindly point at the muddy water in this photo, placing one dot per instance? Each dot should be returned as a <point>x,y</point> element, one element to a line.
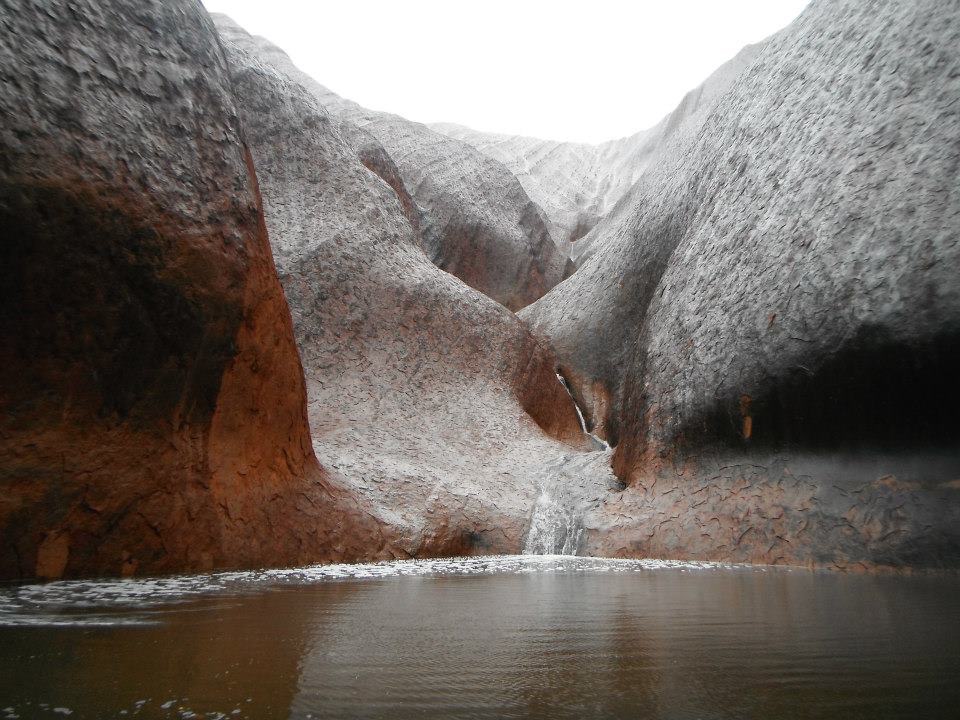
<point>502,637</point>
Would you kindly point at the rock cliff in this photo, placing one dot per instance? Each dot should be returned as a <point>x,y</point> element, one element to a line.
<point>152,405</point>
<point>471,215</point>
<point>244,321</point>
<point>433,403</point>
<point>590,319</point>
<point>768,326</point>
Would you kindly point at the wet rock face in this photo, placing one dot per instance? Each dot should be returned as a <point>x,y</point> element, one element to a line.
<point>152,413</point>
<point>813,299</point>
<point>846,511</point>
<point>766,323</point>
<point>483,227</point>
<point>592,319</point>
<point>783,305</point>
<point>428,401</point>
<point>470,214</point>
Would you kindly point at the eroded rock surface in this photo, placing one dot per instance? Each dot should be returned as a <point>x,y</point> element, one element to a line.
<point>579,184</point>
<point>152,406</point>
<point>774,317</point>
<point>591,320</point>
<point>575,184</point>
<point>473,218</point>
<point>427,400</point>
<point>765,321</point>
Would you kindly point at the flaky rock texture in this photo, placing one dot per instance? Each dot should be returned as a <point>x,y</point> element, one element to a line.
<point>765,321</point>
<point>589,319</point>
<point>472,217</point>
<point>427,400</point>
<point>776,315</point>
<point>152,407</point>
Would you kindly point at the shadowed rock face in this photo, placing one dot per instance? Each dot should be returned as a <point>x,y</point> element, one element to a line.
<point>152,407</point>
<point>590,318</point>
<point>776,315</point>
<point>427,400</point>
<point>815,290</point>
<point>472,217</point>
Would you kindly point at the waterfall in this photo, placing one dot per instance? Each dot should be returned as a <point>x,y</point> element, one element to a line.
<point>598,442</point>
<point>576,405</point>
<point>556,524</point>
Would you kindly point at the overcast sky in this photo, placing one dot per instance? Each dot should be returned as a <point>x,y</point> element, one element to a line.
<point>588,71</point>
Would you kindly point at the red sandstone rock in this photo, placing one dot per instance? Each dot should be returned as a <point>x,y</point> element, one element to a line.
<point>152,407</point>
<point>767,321</point>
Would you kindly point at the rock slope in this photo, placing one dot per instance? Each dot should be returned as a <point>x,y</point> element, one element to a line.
<point>578,184</point>
<point>575,184</point>
<point>429,401</point>
<point>244,321</point>
<point>590,319</point>
<point>152,405</point>
<point>472,217</point>
<point>771,318</point>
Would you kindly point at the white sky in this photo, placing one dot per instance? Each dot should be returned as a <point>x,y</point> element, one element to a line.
<point>588,71</point>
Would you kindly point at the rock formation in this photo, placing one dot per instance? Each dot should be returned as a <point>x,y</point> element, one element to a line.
<point>765,320</point>
<point>771,319</point>
<point>432,402</point>
<point>575,184</point>
<point>152,407</point>
<point>578,184</point>
<point>589,319</point>
<point>472,217</point>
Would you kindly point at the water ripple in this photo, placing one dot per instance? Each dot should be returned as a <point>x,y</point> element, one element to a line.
<point>52,603</point>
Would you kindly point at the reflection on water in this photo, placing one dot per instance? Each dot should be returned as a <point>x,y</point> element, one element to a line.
<point>501,637</point>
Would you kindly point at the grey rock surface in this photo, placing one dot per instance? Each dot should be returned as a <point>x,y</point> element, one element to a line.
<point>592,318</point>
<point>575,184</point>
<point>474,219</point>
<point>779,297</point>
<point>821,257</point>
<point>579,184</point>
<point>428,401</point>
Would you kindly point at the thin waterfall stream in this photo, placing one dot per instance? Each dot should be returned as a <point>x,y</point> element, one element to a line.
<point>599,442</point>
<point>556,523</point>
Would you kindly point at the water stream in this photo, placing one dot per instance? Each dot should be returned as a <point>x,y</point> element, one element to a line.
<point>556,523</point>
<point>599,442</point>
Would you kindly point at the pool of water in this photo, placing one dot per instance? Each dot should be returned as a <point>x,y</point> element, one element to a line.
<point>506,637</point>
